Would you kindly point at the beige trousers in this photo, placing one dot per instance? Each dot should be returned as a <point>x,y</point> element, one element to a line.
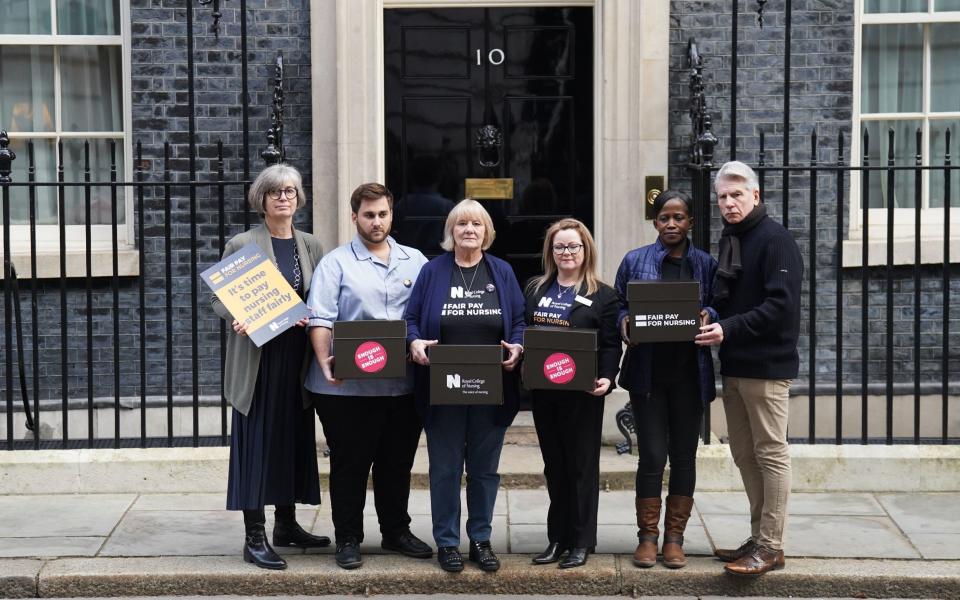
<point>756,412</point>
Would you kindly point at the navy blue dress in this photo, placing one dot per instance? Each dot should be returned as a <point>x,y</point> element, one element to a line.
<point>273,453</point>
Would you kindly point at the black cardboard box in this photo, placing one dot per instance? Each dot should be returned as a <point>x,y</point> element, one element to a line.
<point>663,311</point>
<point>559,358</point>
<point>369,349</point>
<point>466,374</point>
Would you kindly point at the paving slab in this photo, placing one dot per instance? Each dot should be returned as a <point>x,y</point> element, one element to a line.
<point>177,533</point>
<point>50,546</point>
<point>18,578</point>
<point>422,527</point>
<point>200,501</point>
<point>845,536</point>
<point>801,503</point>
<point>74,515</point>
<point>937,545</point>
<point>924,513</point>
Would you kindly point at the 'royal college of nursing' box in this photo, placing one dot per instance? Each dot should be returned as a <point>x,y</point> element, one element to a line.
<point>663,311</point>
<point>559,358</point>
<point>369,349</point>
<point>466,374</point>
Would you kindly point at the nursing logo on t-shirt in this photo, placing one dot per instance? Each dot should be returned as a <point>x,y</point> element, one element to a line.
<point>370,357</point>
<point>559,368</point>
<point>553,311</point>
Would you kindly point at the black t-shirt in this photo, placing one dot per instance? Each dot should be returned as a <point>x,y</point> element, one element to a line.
<point>471,312</point>
<point>554,306</point>
<point>285,251</point>
<point>673,361</point>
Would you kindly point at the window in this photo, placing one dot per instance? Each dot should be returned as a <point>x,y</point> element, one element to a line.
<point>64,69</point>
<point>907,78</point>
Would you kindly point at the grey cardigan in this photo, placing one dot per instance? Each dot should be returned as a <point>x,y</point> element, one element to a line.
<point>243,357</point>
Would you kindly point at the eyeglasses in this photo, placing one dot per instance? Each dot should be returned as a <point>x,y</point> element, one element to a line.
<point>290,193</point>
<point>572,249</point>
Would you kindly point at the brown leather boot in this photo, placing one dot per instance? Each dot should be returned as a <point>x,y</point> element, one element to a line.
<point>675,523</point>
<point>648,532</point>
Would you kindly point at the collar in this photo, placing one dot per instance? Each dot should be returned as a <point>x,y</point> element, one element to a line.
<point>361,252</point>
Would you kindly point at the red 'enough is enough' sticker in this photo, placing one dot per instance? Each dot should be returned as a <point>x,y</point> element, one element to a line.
<point>370,357</point>
<point>559,368</point>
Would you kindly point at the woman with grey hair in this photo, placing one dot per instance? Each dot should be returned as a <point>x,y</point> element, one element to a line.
<point>470,436</point>
<point>273,458</point>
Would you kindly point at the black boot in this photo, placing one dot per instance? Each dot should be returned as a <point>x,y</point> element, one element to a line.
<point>287,532</point>
<point>256,550</point>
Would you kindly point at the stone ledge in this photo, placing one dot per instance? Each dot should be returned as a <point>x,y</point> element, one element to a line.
<point>18,578</point>
<point>604,575</point>
<point>172,470</point>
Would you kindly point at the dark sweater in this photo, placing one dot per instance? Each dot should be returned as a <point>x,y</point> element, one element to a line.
<point>761,319</point>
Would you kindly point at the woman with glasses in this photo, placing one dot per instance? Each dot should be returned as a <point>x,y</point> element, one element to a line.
<point>569,423</point>
<point>273,457</point>
<point>669,383</point>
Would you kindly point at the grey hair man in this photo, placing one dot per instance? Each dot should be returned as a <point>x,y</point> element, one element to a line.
<point>757,296</point>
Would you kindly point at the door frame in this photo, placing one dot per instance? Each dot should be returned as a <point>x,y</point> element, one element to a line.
<point>631,56</point>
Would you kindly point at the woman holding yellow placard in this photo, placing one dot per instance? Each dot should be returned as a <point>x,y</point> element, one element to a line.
<point>273,458</point>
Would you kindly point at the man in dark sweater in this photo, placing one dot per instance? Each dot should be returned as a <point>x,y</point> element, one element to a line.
<point>757,296</point>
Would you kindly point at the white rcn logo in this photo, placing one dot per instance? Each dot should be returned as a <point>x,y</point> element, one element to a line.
<point>456,292</point>
<point>453,381</point>
<point>544,302</point>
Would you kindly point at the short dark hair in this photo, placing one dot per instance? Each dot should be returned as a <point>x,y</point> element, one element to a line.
<point>667,196</point>
<point>369,191</point>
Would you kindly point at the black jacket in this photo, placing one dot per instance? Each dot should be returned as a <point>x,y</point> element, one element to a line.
<point>761,318</point>
<point>600,315</point>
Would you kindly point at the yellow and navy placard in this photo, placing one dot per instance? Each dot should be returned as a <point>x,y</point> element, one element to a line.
<point>253,290</point>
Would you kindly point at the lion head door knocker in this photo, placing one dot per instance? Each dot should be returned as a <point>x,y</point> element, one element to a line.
<point>489,140</point>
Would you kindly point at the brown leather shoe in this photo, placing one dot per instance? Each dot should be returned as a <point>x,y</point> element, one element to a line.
<point>730,555</point>
<point>648,532</point>
<point>757,562</point>
<point>675,523</point>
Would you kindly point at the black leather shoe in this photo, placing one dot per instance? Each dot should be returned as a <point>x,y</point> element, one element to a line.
<point>256,550</point>
<point>576,558</point>
<point>482,554</point>
<point>290,533</point>
<point>348,554</point>
<point>551,555</point>
<point>408,545</point>
<point>450,559</point>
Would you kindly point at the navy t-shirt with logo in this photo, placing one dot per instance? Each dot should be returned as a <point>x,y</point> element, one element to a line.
<point>554,306</point>
<point>471,312</point>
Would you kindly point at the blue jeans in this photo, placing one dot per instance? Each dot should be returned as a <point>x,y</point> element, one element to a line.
<point>458,435</point>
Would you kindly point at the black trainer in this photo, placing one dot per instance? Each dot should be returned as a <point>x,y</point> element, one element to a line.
<point>450,559</point>
<point>348,554</point>
<point>408,545</point>
<point>482,554</point>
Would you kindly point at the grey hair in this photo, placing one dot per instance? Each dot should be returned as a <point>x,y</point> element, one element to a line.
<point>468,208</point>
<point>272,178</point>
<point>738,170</point>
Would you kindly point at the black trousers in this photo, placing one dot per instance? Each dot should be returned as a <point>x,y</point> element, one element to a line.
<point>569,426</point>
<point>364,432</point>
<point>668,426</point>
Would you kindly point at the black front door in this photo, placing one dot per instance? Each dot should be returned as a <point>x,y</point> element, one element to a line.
<point>526,71</point>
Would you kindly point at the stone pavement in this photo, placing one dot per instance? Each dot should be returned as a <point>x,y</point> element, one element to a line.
<point>74,545</point>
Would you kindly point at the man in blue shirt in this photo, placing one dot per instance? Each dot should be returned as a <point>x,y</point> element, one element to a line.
<point>369,423</point>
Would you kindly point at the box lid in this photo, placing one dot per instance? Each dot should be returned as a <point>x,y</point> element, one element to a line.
<point>369,329</point>
<point>660,291</point>
<point>451,353</point>
<point>560,338</point>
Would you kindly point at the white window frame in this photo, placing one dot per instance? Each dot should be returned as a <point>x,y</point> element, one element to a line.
<point>932,219</point>
<point>48,236</point>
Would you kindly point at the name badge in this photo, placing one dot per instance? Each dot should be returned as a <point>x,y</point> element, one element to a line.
<point>584,301</point>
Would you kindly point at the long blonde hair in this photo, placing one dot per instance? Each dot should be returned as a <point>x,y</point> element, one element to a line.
<point>588,270</point>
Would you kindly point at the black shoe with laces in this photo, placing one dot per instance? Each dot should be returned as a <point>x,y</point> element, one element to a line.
<point>408,545</point>
<point>450,559</point>
<point>348,554</point>
<point>482,554</point>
